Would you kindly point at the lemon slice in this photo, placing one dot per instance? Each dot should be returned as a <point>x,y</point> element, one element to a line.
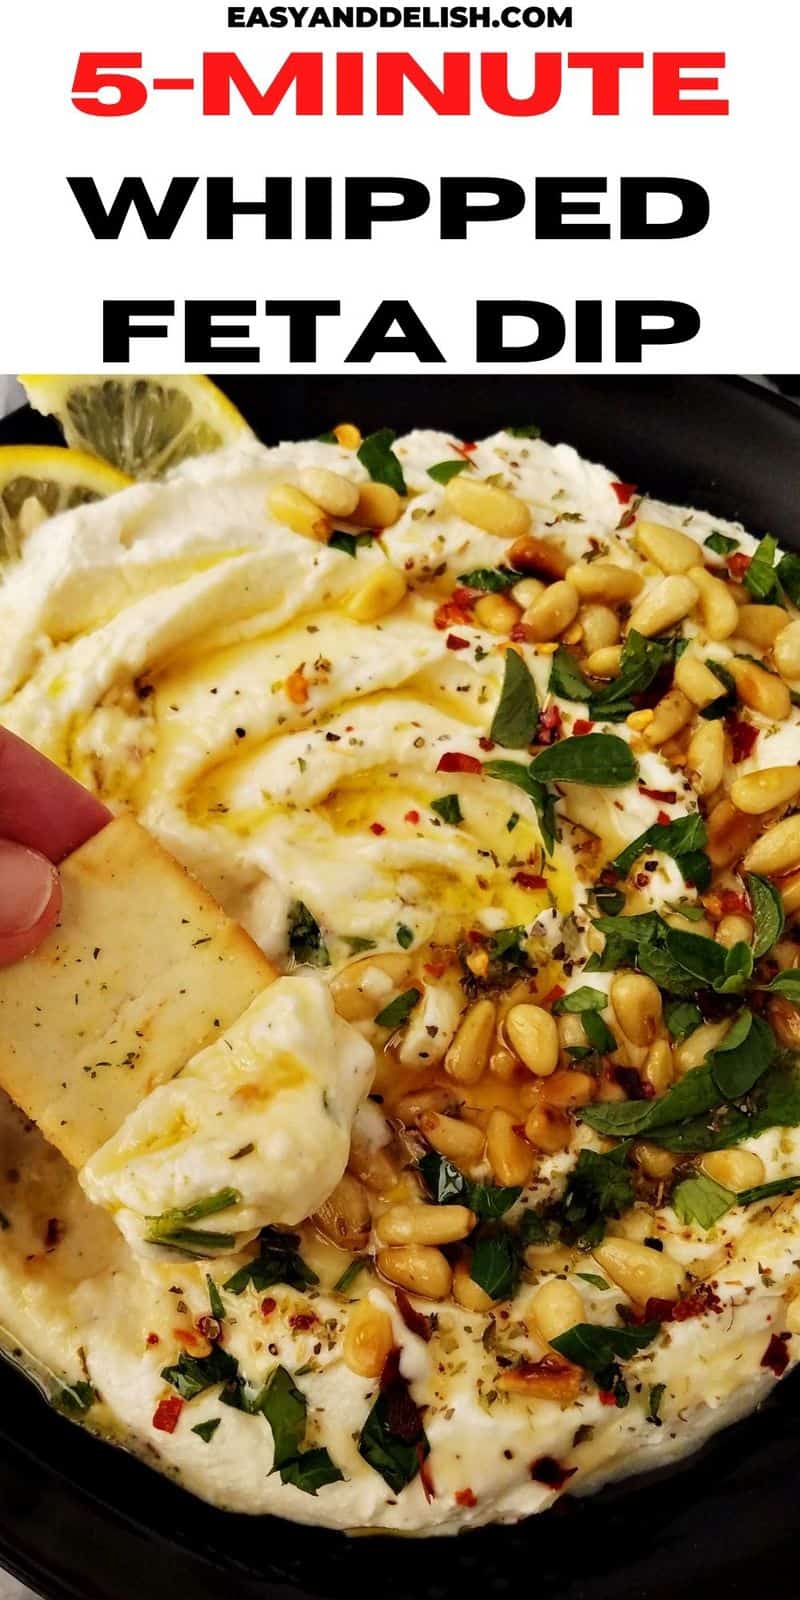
<point>37,481</point>
<point>143,426</point>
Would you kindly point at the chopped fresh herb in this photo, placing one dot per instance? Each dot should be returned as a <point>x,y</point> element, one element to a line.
<point>449,809</point>
<point>524,430</point>
<point>517,715</point>
<point>583,999</point>
<point>595,758</point>
<point>768,915</point>
<point>598,1033</point>
<point>510,826</point>
<point>398,1010</point>
<point>174,1228</point>
<point>657,1390</point>
<point>761,579</point>
<point>327,438</point>
<point>490,1201</point>
<point>404,936</point>
<point>788,576</point>
<point>350,1274</point>
<point>356,944</point>
<point>596,1348</point>
<point>448,1186</point>
<point>215,1299</point>
<point>445,470</point>
<point>721,544</point>
<point>682,1018</point>
<point>491,580</point>
<point>74,1399</point>
<point>787,984</point>
<point>598,1187</point>
<point>311,1470</point>
<point>609,901</point>
<point>725,705</point>
<point>495,1263</point>
<point>306,943</point>
<point>191,1375</point>
<point>206,1430</point>
<point>377,455</point>
<point>543,801</point>
<point>285,1408</point>
<point>767,1191</point>
<point>276,1262</point>
<point>702,1200</point>
<point>349,543</point>
<point>393,1441</point>
<point>641,661</point>
<point>566,678</point>
<point>594,1279</point>
<point>686,836</point>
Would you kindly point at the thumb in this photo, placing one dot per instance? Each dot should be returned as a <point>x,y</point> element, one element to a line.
<point>30,900</point>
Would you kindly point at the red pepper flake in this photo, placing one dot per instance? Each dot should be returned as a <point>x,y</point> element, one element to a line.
<point>530,880</point>
<point>642,880</point>
<point>377,828</point>
<point>662,818</point>
<point>167,1413</point>
<point>668,796</point>
<point>455,642</point>
<point>556,993</point>
<point>624,492</point>
<point>776,1355</point>
<point>733,904</point>
<point>743,737</point>
<point>486,744</point>
<point>455,612</point>
<point>411,816</point>
<point>581,726</point>
<point>465,1497</point>
<point>152,1338</point>
<point>702,1300</point>
<point>456,761</point>
<point>520,634</point>
<point>436,968</point>
<point>413,1319</point>
<point>549,728</point>
<point>738,565</point>
<point>268,1306</point>
<point>550,1472</point>
<point>302,1320</point>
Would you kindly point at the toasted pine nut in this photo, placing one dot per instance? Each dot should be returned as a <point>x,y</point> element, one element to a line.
<point>705,765</point>
<point>784,1020</point>
<point>334,493</point>
<point>790,894</point>
<point>469,1052</point>
<point>533,1033</point>
<point>777,851</point>
<point>511,1158</point>
<point>424,1224</point>
<point>729,833</point>
<point>379,506</point>
<point>697,680</point>
<point>762,691</point>
<point>639,720</point>
<point>734,930</point>
<point>360,989</point>
<point>458,1141</point>
<point>693,1051</point>
<point>554,1308</point>
<point>348,435</point>
<point>380,593</point>
<point>671,714</point>
<point>496,613</point>
<point>665,604</point>
<point>368,1339</point>
<point>760,625</point>
<point>417,1267</point>
<point>345,1217</point>
<point>734,1169</point>
<point>786,650</point>
<point>604,580</point>
<point>485,506</point>
<point>642,1274</point>
<point>503,1063</point>
<point>547,1128</point>
<point>606,662</point>
<point>657,1069</point>
<point>669,549</point>
<point>567,1088</point>
<point>542,557</point>
<point>786,955</point>
<point>600,627</point>
<point>468,1293</point>
<point>654,1162</point>
<point>718,608</point>
<point>294,509</point>
<point>552,612</point>
<point>527,591</point>
<point>410,1107</point>
<point>763,791</point>
<point>637,1006</point>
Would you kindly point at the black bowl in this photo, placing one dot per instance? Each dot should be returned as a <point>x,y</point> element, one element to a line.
<point>80,1519</point>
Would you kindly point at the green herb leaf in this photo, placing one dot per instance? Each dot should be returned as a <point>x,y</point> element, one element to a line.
<point>495,1264</point>
<point>517,715</point>
<point>583,999</point>
<point>395,1456</point>
<point>593,1278</point>
<point>206,1430</point>
<point>74,1399</point>
<point>404,936</point>
<point>743,1057</point>
<point>598,1033</point>
<point>725,706</point>
<point>566,678</point>
<point>595,758</point>
<point>356,944</point>
<point>174,1228</point>
<point>788,576</point>
<point>738,969</point>
<point>349,543</point>
<point>327,438</point>
<point>721,544</point>
<point>399,1010</point>
<point>191,1375</point>
<point>701,1200</point>
<point>767,1191</point>
<point>445,470</point>
<point>311,1470</point>
<point>787,984</point>
<point>449,809</point>
<point>761,579</point>
<point>215,1299</point>
<point>682,1018</point>
<point>598,1187</point>
<point>657,1390</point>
<point>284,1408</point>
<point>641,661</point>
<point>377,455</point>
<point>596,1348</point>
<point>525,430</point>
<point>277,1262</point>
<point>306,943</point>
<point>682,837</point>
<point>350,1274</point>
<point>491,580</point>
<point>768,917</point>
<point>444,1182</point>
<point>543,800</point>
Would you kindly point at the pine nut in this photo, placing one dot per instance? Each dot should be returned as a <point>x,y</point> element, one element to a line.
<point>570,1035</point>
<point>291,507</point>
<point>786,955</point>
<point>705,764</point>
<point>671,714</point>
<point>554,1308</point>
<point>329,490</point>
<point>786,650</point>
<point>734,930</point>
<point>496,613</point>
<point>637,1006</point>
<point>764,791</point>
<point>665,604</point>
<point>468,1293</point>
<point>697,680</point>
<point>551,613</point>
<point>658,1069</point>
<point>348,435</point>
<point>793,1315</point>
<point>527,591</point>
<point>360,989</point>
<point>485,506</point>
<point>777,851</point>
<point>759,689</point>
<point>604,580</point>
<point>368,1340</point>
<point>606,662</point>
<point>734,1169</point>
<point>760,625</point>
<point>468,1054</point>
<point>729,833</point>
<point>639,720</point>
<point>417,1267</point>
<point>458,1141</point>
<point>423,1224</point>
<point>410,1107</point>
<point>540,556</point>
<point>784,1020</point>
<point>379,594</point>
<point>642,1274</point>
<point>567,1088</point>
<point>502,1063</point>
<point>718,608</point>
<point>345,1216</point>
<point>372,1166</point>
<point>654,1162</point>
<point>790,894</point>
<point>511,1159</point>
<point>600,627</point>
<point>693,1051</point>
<point>670,550</point>
<point>379,506</point>
<point>548,1129</point>
<point>533,1033</point>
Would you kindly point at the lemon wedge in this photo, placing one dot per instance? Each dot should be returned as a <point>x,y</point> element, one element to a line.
<point>37,481</point>
<point>141,425</point>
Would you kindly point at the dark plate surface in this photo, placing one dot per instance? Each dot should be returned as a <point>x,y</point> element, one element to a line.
<point>81,1520</point>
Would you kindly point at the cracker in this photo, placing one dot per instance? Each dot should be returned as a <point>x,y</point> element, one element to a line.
<point>143,969</point>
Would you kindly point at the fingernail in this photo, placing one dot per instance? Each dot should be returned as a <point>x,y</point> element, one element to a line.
<point>27,882</point>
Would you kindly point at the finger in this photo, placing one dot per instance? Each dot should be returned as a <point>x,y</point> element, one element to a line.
<point>30,900</point>
<point>40,806</point>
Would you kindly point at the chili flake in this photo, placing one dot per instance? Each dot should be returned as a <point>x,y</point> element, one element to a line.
<point>167,1413</point>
